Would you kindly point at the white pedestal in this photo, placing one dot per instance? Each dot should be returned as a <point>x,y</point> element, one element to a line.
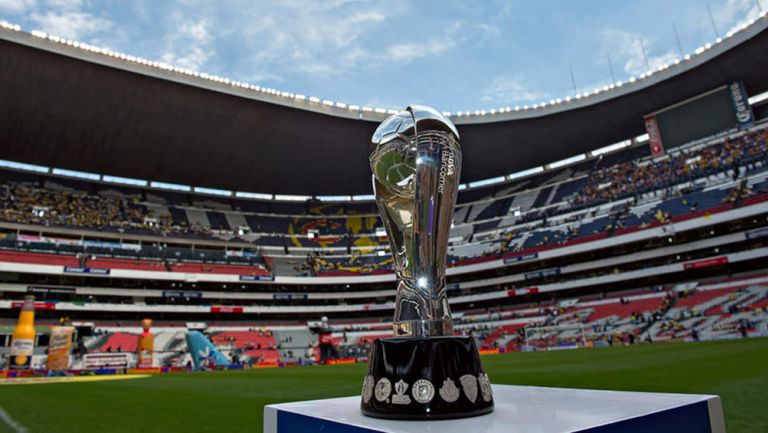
<point>520,409</point>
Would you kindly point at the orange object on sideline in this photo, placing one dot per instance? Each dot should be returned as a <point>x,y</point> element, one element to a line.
<point>23,339</point>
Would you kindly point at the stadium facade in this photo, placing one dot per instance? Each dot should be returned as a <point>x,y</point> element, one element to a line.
<point>132,190</point>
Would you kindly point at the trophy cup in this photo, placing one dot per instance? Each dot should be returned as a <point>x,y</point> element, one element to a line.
<point>424,371</point>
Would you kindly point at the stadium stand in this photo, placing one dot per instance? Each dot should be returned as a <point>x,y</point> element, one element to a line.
<point>617,248</point>
<point>705,177</point>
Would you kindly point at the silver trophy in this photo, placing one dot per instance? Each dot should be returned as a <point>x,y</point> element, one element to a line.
<point>424,372</point>
<point>416,165</point>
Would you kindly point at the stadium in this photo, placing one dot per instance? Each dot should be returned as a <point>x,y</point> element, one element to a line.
<point>213,246</point>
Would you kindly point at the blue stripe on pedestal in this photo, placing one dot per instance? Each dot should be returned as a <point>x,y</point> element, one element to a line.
<point>288,422</point>
<point>692,418</point>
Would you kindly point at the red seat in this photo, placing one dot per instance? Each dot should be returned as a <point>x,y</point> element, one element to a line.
<point>123,342</point>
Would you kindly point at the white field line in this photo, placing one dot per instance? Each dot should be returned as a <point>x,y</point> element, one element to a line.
<point>16,427</point>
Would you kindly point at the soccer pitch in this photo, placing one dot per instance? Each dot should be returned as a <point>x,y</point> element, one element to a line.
<point>233,401</point>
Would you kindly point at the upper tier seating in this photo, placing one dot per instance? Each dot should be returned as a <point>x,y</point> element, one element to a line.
<point>524,215</point>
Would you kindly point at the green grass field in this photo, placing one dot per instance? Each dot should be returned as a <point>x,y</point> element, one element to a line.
<point>233,401</point>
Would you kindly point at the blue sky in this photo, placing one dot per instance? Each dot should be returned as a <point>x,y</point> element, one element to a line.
<point>454,55</point>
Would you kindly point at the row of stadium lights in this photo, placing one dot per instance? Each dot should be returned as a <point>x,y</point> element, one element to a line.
<point>367,109</point>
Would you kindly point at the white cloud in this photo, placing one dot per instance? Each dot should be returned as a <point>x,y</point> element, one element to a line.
<point>626,48</point>
<point>505,90</point>
<point>70,24</point>
<point>189,46</point>
<point>313,37</point>
<point>65,4</point>
<point>729,15</point>
<point>407,52</point>
<point>489,31</point>
<point>16,6</point>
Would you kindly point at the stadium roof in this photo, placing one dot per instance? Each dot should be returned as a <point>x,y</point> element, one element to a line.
<point>66,106</point>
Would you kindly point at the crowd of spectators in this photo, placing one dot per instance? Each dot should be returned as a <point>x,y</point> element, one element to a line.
<point>38,205</point>
<point>28,204</point>
<point>631,178</point>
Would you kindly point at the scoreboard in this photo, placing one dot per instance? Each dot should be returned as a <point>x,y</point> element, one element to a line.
<point>718,110</point>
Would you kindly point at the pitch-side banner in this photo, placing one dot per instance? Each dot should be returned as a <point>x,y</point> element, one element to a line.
<point>59,347</point>
<point>654,135</point>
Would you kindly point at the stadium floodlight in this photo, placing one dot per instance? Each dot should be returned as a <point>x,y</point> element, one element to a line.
<point>290,197</point>
<point>255,195</point>
<point>524,173</point>
<point>74,173</point>
<point>642,137</point>
<point>568,161</point>
<point>363,197</point>
<point>24,166</point>
<point>758,98</point>
<point>213,191</point>
<point>333,197</point>
<point>170,186</point>
<point>124,180</point>
<point>486,182</point>
<point>611,148</point>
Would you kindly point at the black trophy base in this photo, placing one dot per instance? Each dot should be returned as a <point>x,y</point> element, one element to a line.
<point>420,378</point>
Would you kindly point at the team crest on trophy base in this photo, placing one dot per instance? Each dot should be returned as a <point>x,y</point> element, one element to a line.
<point>424,372</point>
